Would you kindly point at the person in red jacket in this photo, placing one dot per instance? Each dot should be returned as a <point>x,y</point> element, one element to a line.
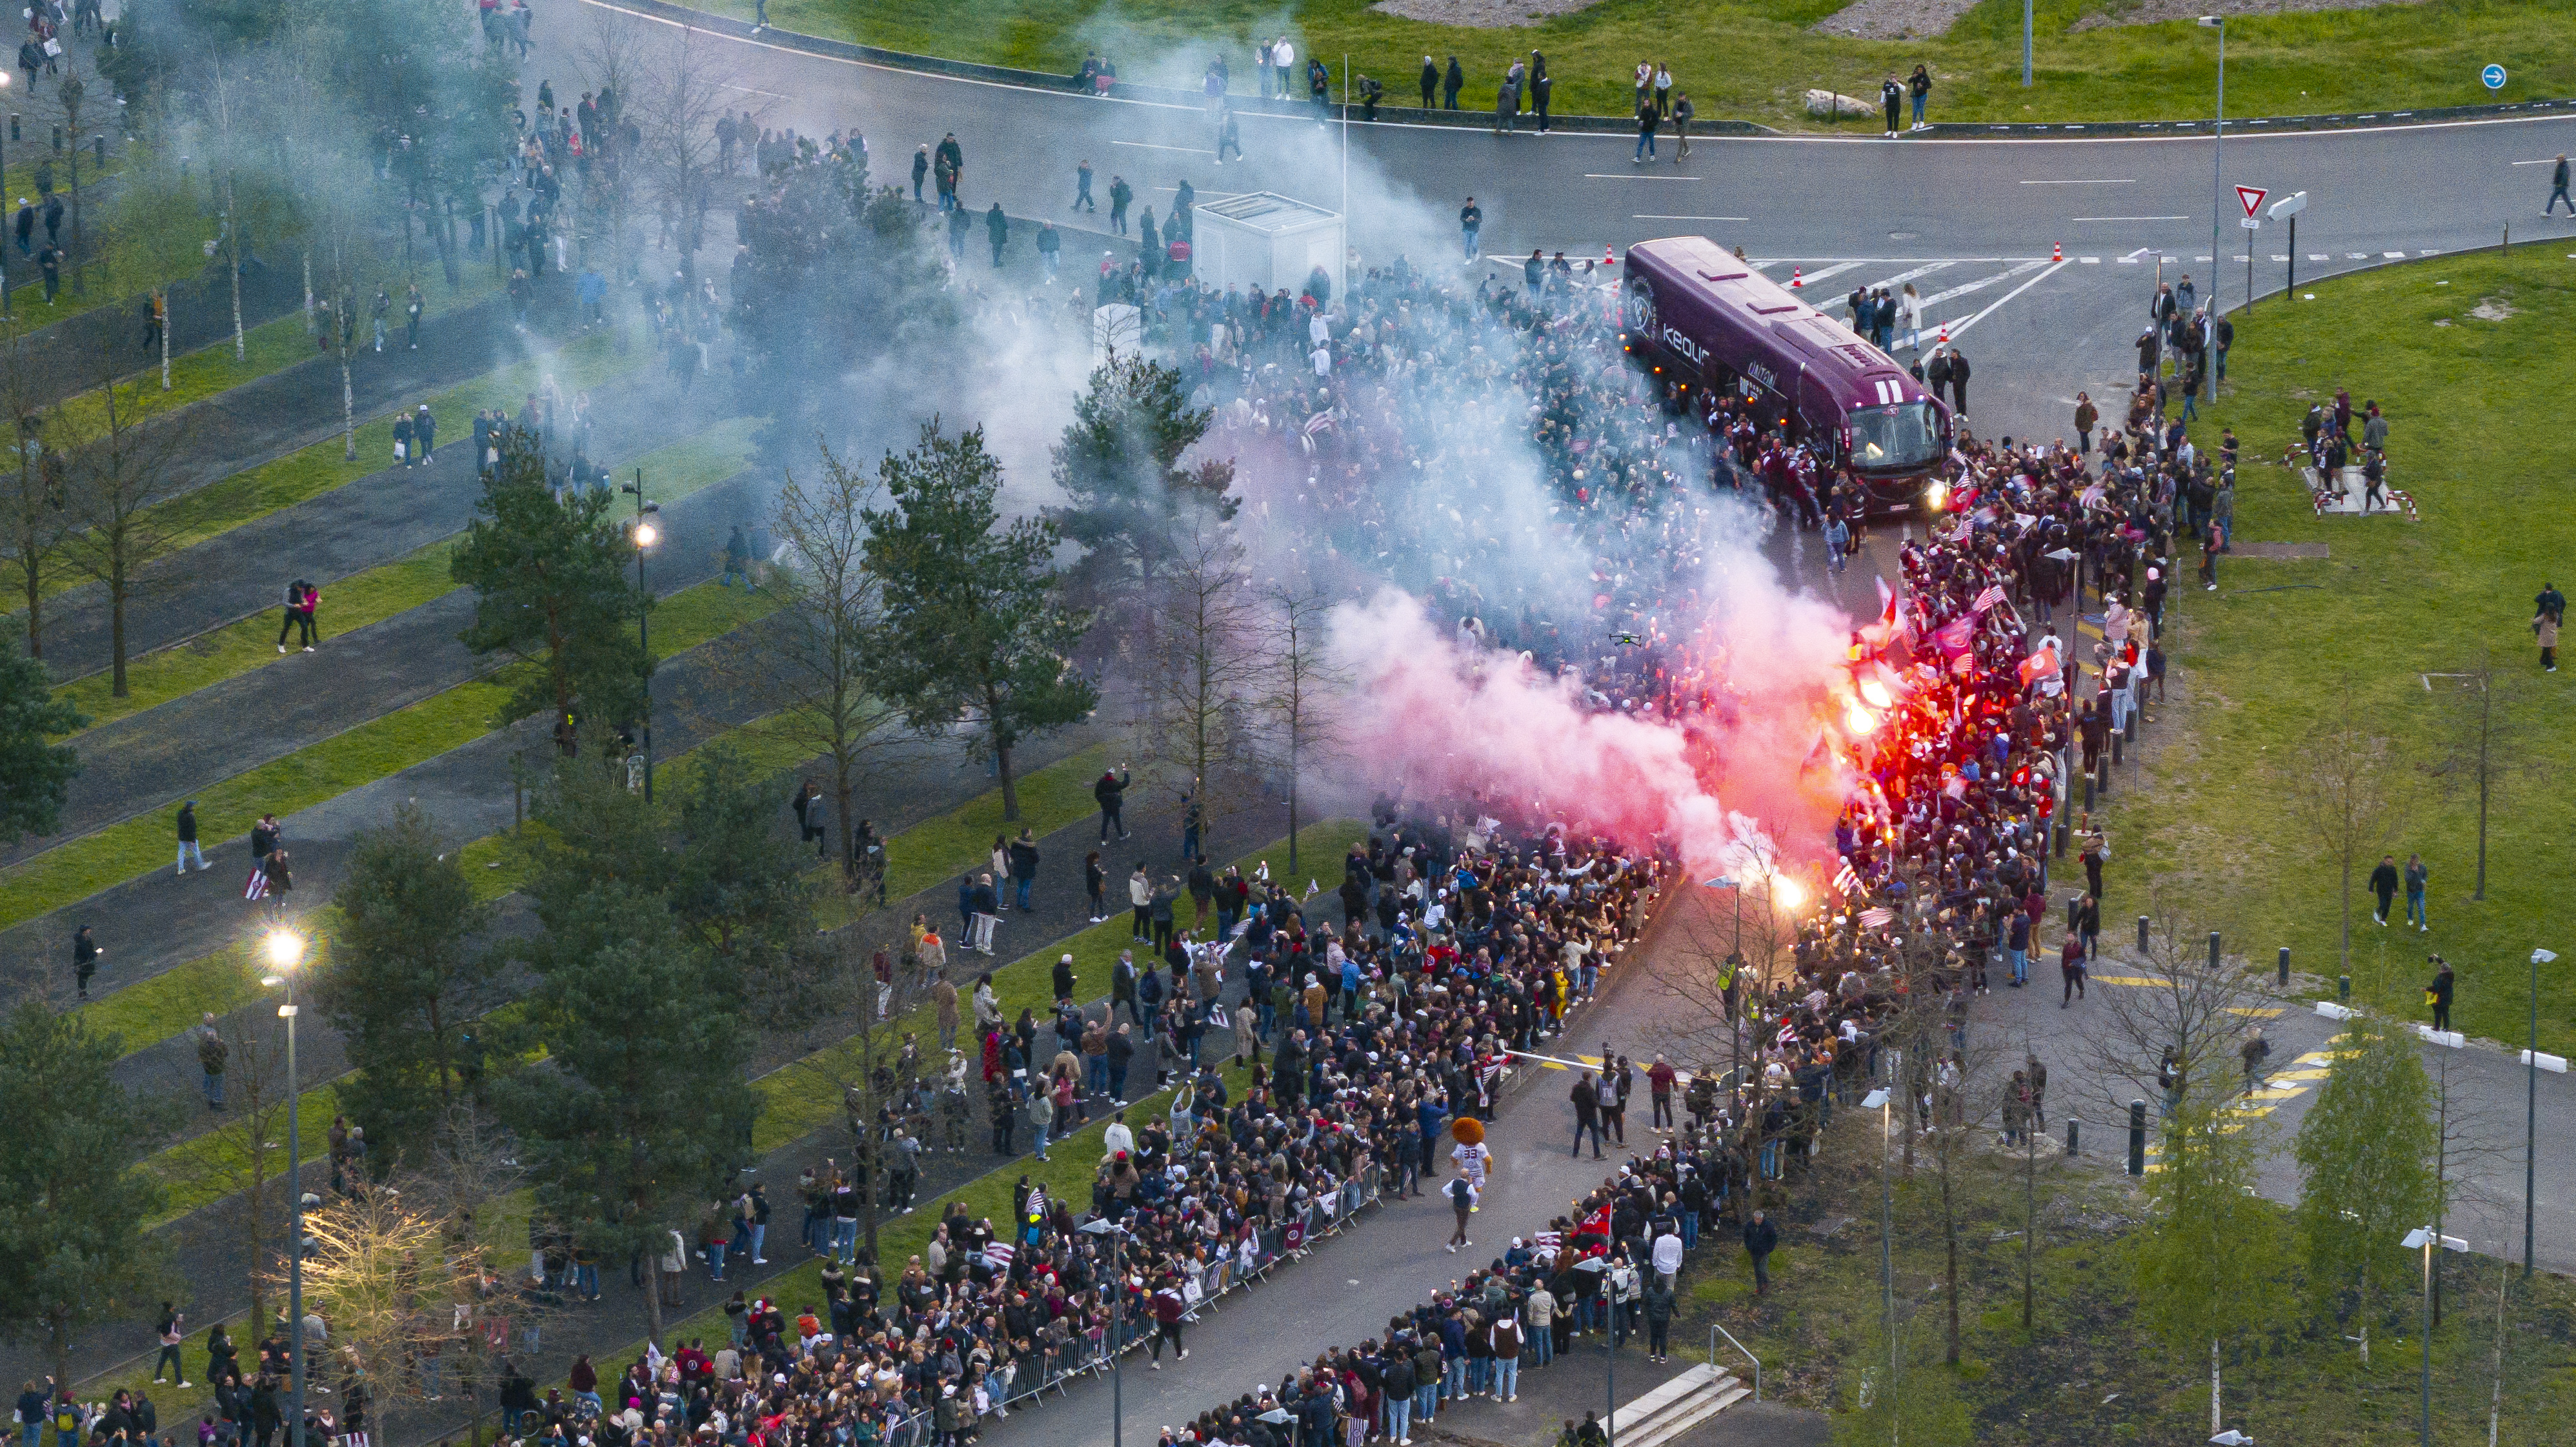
<point>1168,1307</point>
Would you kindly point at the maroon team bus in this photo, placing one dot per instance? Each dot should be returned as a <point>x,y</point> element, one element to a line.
<point>1710,324</point>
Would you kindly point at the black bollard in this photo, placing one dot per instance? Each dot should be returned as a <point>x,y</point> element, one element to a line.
<point>2213,949</point>
<point>2285,967</point>
<point>2088,799</point>
<point>2343,988</point>
<point>2104,785</point>
<point>2137,1137</point>
<point>2071,1148</point>
<point>2115,745</point>
<point>2142,934</point>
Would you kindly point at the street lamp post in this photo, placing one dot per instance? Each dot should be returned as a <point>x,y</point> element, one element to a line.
<point>1599,1266</point>
<point>645,536</point>
<point>2427,1238</point>
<point>1735,973</point>
<point>2218,185</point>
<point>286,951</point>
<point>1096,1227</point>
<point>1881,1100</point>
<point>2531,1111</point>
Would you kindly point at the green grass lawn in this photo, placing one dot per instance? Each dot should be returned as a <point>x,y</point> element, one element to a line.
<point>2087,1373</point>
<point>1756,59</point>
<point>671,472</point>
<point>2285,644</point>
<point>82,867</point>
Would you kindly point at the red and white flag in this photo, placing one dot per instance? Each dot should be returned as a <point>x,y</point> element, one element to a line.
<point>1994,594</point>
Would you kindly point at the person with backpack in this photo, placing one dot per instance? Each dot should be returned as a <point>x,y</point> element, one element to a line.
<point>85,953</point>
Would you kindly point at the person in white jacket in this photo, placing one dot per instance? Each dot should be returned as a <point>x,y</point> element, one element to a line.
<point>1909,315</point>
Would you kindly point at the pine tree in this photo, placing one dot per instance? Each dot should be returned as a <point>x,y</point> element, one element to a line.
<point>554,587</point>
<point>34,772</point>
<point>1132,501</point>
<point>408,977</point>
<point>738,883</point>
<point>973,625</point>
<point>75,1204</point>
<point>640,1111</point>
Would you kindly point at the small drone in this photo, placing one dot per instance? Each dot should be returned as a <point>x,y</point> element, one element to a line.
<point>1628,640</point>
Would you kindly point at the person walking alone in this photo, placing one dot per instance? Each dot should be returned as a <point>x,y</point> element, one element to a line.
<point>1110,792</point>
<point>1462,1200</point>
<point>1761,1238</point>
<point>188,839</point>
<point>2438,994</point>
<point>85,953</point>
<point>2557,193</point>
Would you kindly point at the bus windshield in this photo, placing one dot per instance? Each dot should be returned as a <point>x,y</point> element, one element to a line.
<point>1891,439</point>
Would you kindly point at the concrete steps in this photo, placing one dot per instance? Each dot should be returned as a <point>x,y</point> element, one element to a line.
<point>1668,1411</point>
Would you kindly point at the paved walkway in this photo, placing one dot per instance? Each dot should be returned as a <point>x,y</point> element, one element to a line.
<point>155,758</point>
<point>236,572</point>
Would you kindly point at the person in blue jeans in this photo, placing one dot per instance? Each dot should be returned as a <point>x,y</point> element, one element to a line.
<point>1647,120</point>
<point>2416,875</point>
<point>31,1416</point>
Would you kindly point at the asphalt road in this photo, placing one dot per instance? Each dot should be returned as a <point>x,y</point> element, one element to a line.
<point>1981,219</point>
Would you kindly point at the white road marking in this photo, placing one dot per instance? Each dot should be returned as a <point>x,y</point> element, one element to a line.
<point>2122,181</point>
<point>1903,277</point>
<point>1837,269</point>
<point>750,90</point>
<point>2394,255</point>
<point>2090,260</point>
<point>1658,216</point>
<point>1150,146</point>
<point>2509,163</point>
<point>1960,326</point>
<point>2319,256</point>
<point>1625,176</point>
<point>2356,256</point>
<point>2128,218</point>
<point>2277,256</point>
<point>1938,297</point>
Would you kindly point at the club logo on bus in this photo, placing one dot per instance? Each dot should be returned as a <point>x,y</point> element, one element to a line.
<point>1762,374</point>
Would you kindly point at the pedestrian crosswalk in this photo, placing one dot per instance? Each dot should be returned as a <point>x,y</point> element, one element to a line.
<point>2302,1076</point>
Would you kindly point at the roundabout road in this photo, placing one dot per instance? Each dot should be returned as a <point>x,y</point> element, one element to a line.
<point>1972,223</point>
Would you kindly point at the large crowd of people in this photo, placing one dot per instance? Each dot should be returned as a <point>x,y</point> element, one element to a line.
<point>1411,425</point>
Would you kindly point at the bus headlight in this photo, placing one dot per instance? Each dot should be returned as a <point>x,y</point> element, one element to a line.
<point>1937,496</point>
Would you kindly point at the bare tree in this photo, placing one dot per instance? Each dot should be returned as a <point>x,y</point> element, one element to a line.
<point>1200,669</point>
<point>39,503</point>
<point>615,59</point>
<point>222,81</point>
<point>73,93</point>
<point>2343,787</point>
<point>815,657</point>
<point>686,90</point>
<point>125,501</point>
<point>2210,1261</point>
<point>249,1155</point>
<point>1304,688</point>
<point>2484,745</point>
<point>867,1057</point>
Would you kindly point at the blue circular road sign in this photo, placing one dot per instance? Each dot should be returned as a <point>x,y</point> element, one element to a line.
<point>2493,75</point>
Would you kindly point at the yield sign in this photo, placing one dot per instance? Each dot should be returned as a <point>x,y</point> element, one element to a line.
<point>2252,196</point>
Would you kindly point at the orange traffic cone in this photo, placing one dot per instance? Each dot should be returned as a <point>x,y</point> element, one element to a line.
<point>1607,257</point>
<point>1944,339</point>
<point>1796,273</point>
<point>2057,251</point>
